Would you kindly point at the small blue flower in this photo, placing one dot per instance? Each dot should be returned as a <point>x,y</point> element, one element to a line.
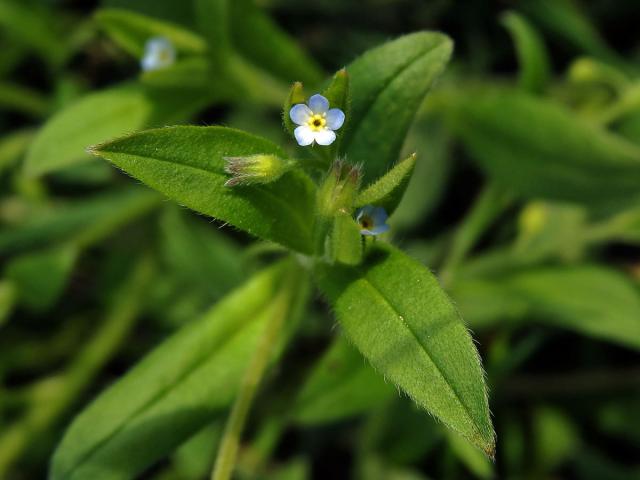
<point>316,121</point>
<point>158,53</point>
<point>372,220</point>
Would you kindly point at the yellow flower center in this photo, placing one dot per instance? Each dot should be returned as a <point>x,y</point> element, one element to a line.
<point>317,122</point>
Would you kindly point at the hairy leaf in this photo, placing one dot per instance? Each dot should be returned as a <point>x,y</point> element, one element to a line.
<point>396,313</point>
<point>178,387</point>
<point>388,190</point>
<point>346,241</point>
<point>187,164</point>
<point>388,84</point>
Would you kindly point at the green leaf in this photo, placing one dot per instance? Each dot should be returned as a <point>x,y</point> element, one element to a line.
<point>132,30</point>
<point>590,300</point>
<point>187,165</point>
<point>388,190</point>
<point>532,54</point>
<point>107,114</point>
<point>180,386</point>
<point>346,241</point>
<point>396,313</point>
<point>40,278</point>
<point>212,17</point>
<point>340,385</point>
<point>388,84</point>
<point>562,158</point>
<point>257,37</point>
<point>81,223</point>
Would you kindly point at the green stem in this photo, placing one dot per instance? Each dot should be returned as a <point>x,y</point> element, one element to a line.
<point>228,451</point>
<point>490,203</point>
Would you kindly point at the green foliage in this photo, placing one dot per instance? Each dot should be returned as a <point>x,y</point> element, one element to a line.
<point>388,190</point>
<point>346,242</point>
<point>590,300</point>
<point>212,17</point>
<point>179,386</point>
<point>518,190</point>
<point>540,149</point>
<point>100,116</point>
<point>35,290</point>
<point>187,165</point>
<point>80,223</point>
<point>132,30</point>
<point>395,312</point>
<point>532,53</point>
<point>340,385</point>
<point>388,84</point>
<point>257,37</point>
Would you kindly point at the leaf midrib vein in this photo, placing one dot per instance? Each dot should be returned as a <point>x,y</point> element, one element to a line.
<point>400,317</point>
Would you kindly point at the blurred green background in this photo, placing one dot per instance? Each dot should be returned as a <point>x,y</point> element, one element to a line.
<point>525,202</point>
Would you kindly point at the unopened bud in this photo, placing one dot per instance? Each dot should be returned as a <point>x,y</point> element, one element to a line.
<point>255,169</point>
<point>339,190</point>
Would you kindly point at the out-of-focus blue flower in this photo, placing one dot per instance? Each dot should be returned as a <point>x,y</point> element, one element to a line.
<point>316,121</point>
<point>372,220</point>
<point>158,53</point>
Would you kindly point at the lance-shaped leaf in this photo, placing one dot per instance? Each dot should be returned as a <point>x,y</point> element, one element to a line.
<point>397,315</point>
<point>388,190</point>
<point>180,386</point>
<point>107,114</point>
<point>541,149</point>
<point>388,84</point>
<point>132,30</point>
<point>187,164</point>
